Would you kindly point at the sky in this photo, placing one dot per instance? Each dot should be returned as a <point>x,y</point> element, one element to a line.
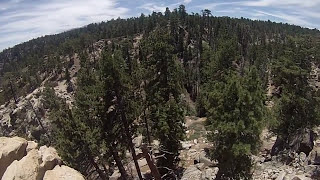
<point>23,20</point>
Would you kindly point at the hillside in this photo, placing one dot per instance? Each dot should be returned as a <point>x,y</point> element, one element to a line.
<point>198,91</point>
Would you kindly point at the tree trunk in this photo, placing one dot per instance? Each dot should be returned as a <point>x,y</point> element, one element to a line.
<point>154,170</point>
<point>116,157</point>
<point>129,138</point>
<point>102,175</point>
<point>13,93</point>
<point>147,127</point>
<point>128,134</point>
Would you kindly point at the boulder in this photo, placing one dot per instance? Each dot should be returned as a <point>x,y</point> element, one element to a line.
<point>314,156</point>
<point>137,141</point>
<point>31,145</point>
<point>49,159</point>
<point>11,149</point>
<point>210,173</point>
<point>25,169</point>
<point>62,173</point>
<point>278,146</point>
<point>203,159</point>
<point>281,176</point>
<point>34,165</point>
<point>302,141</point>
<point>186,145</point>
<point>300,177</point>
<point>192,172</point>
<point>115,176</point>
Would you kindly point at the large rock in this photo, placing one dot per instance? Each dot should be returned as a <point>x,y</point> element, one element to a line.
<point>49,159</point>
<point>34,165</point>
<point>302,141</point>
<point>210,173</point>
<point>137,141</point>
<point>31,145</point>
<point>206,161</point>
<point>300,177</point>
<point>186,144</point>
<point>26,169</point>
<point>314,156</point>
<point>11,149</point>
<point>62,173</point>
<point>192,172</point>
<point>281,176</point>
<point>278,146</point>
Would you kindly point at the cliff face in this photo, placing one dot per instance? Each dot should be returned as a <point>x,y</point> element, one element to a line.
<point>24,160</point>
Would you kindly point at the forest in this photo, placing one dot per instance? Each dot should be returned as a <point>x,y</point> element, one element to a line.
<point>152,71</point>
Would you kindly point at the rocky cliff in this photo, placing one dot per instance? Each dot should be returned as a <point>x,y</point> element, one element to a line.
<point>24,160</point>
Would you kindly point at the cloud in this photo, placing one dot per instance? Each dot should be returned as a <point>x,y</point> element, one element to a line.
<point>153,7</point>
<point>281,3</point>
<point>42,18</point>
<point>298,12</point>
<point>291,19</point>
<point>161,7</point>
<point>187,1</point>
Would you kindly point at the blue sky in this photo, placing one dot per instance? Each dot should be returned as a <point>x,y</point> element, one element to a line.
<point>22,20</point>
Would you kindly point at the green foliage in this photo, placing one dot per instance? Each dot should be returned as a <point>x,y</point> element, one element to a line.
<point>77,133</point>
<point>297,107</point>
<point>235,118</point>
<point>163,95</point>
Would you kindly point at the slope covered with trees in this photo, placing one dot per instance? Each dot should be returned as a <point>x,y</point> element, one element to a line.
<point>146,68</point>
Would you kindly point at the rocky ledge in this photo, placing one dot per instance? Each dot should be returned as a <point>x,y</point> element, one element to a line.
<point>23,160</point>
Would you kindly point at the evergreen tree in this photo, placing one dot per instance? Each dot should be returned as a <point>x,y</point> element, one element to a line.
<point>163,96</point>
<point>76,139</point>
<point>235,117</point>
<point>117,96</point>
<point>296,109</point>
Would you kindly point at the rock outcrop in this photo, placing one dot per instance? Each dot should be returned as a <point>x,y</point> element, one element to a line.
<point>302,141</point>
<point>27,168</point>
<point>198,173</point>
<point>314,156</point>
<point>11,149</point>
<point>62,173</point>
<point>21,160</point>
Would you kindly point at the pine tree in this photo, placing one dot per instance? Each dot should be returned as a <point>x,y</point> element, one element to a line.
<point>235,118</point>
<point>296,109</point>
<point>163,92</point>
<point>117,96</point>
<point>76,139</point>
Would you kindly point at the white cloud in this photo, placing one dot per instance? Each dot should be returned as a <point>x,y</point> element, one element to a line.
<point>153,7</point>
<point>160,7</point>
<point>298,12</point>
<point>53,17</point>
<point>187,1</point>
<point>281,3</point>
<point>289,18</point>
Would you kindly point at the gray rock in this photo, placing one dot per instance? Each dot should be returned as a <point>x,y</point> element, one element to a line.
<point>186,145</point>
<point>62,173</point>
<point>302,157</point>
<point>192,172</point>
<point>300,177</point>
<point>281,176</point>
<point>11,149</point>
<point>314,156</point>
<point>210,173</point>
<point>302,141</point>
<point>137,141</point>
<point>200,166</point>
<point>205,160</point>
